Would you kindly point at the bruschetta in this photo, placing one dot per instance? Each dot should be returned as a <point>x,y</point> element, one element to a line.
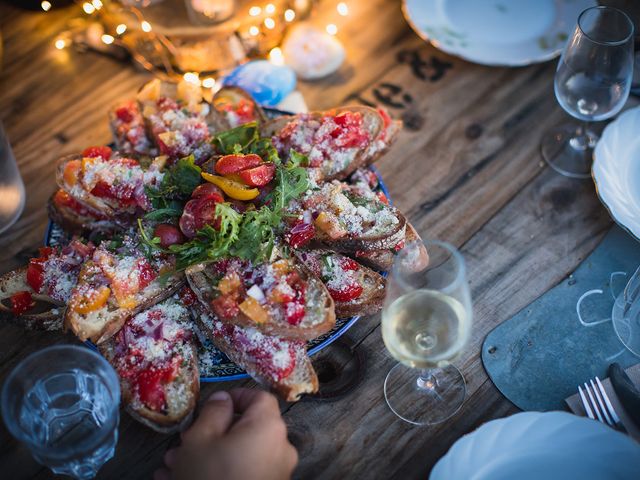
<point>129,131</point>
<point>155,358</point>
<point>115,284</point>
<point>232,107</point>
<point>278,298</point>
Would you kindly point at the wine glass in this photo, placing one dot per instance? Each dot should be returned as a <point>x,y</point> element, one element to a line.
<point>592,83</point>
<point>626,314</point>
<point>426,322</point>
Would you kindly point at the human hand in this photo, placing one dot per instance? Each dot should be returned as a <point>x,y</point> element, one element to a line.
<point>239,435</point>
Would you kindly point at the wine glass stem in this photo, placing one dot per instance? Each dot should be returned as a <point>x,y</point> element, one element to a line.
<point>583,138</point>
<point>426,380</point>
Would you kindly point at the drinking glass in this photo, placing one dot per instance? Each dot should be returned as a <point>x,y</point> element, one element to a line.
<point>626,314</point>
<point>592,83</point>
<point>426,322</point>
<point>63,403</point>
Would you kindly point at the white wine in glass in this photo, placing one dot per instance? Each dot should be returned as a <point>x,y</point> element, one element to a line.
<point>426,323</point>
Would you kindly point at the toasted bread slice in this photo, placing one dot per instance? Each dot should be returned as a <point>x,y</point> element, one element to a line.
<point>113,288</point>
<point>348,219</point>
<point>311,134</point>
<point>355,289</point>
<point>279,364</point>
<point>82,220</point>
<point>232,107</point>
<point>129,130</point>
<point>46,313</point>
<point>386,137</point>
<point>383,259</point>
<point>278,298</point>
<point>155,358</point>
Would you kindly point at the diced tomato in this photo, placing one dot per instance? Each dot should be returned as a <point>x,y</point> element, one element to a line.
<point>264,358</point>
<point>399,246</point>
<point>82,249</point>
<point>229,164</point>
<point>150,388</point>
<point>208,190</point>
<point>124,114</point>
<point>383,198</point>
<point>46,252</point>
<point>245,111</point>
<point>258,176</point>
<point>166,104</point>
<point>21,302</point>
<point>35,276</point>
<point>300,234</point>
<point>350,133</point>
<point>168,235</point>
<point>95,152</point>
<point>225,307</point>
<point>294,312</point>
<point>349,264</point>
<point>124,194</point>
<point>187,296</point>
<point>346,292</point>
<point>147,274</point>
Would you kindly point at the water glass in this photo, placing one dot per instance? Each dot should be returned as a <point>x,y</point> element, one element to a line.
<point>592,83</point>
<point>12,194</point>
<point>626,314</point>
<point>426,323</point>
<point>63,404</point>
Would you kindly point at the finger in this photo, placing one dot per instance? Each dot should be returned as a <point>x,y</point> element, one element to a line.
<point>254,402</point>
<point>214,420</point>
<point>291,457</point>
<point>162,474</point>
<point>170,458</point>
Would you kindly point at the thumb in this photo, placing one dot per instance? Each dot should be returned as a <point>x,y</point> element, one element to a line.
<point>214,420</point>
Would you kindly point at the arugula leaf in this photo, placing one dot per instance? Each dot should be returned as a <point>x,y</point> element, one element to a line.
<point>237,139</point>
<point>163,214</point>
<point>177,184</point>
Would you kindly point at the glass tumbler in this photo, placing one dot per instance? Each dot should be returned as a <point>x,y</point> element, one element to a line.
<point>62,402</point>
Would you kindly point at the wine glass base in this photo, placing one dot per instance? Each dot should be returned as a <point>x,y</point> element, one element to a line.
<point>567,153</point>
<point>424,397</point>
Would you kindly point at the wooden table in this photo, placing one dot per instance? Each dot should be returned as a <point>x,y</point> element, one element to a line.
<point>466,169</point>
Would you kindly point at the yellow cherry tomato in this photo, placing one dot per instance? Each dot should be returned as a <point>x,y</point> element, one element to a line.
<point>71,172</point>
<point>252,309</point>
<point>232,188</point>
<point>92,301</point>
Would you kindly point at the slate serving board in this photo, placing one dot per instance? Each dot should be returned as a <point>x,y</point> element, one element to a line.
<point>539,356</point>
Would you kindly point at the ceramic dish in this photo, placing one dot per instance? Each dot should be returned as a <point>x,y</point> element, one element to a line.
<point>496,32</point>
<point>616,170</point>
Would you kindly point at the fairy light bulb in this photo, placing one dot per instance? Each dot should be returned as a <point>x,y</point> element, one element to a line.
<point>276,57</point>
<point>97,4</point>
<point>120,29</point>
<point>255,11</point>
<point>332,29</point>
<point>146,26</point>
<point>107,39</point>
<point>46,6</point>
<point>343,9</point>
<point>254,31</point>
<point>270,23</point>
<point>289,15</point>
<point>209,82</point>
<point>270,9</point>
<point>88,8</point>
<point>60,44</point>
<point>191,77</point>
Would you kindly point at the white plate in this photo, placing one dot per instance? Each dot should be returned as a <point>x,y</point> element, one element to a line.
<point>534,446</point>
<point>616,170</point>
<point>496,32</point>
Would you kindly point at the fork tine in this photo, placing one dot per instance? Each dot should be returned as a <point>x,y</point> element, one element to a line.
<point>603,408</point>
<point>612,412</point>
<point>585,404</point>
<point>594,405</point>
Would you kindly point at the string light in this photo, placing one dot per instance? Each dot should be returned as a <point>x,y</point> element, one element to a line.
<point>343,9</point>
<point>332,29</point>
<point>269,23</point>
<point>276,57</point>
<point>120,29</point>
<point>107,39</point>
<point>97,4</point>
<point>192,77</point>
<point>60,44</point>
<point>46,6</point>
<point>289,15</point>
<point>253,31</point>
<point>146,26</point>
<point>270,8</point>
<point>255,11</point>
<point>209,82</point>
<point>88,8</point>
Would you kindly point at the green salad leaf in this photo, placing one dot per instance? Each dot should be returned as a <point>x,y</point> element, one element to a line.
<point>177,184</point>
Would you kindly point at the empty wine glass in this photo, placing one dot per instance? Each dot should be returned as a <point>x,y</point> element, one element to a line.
<point>592,83</point>
<point>426,322</point>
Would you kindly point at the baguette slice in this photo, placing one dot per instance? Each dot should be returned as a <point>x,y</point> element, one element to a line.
<point>312,134</point>
<point>129,130</point>
<point>383,259</point>
<point>113,288</point>
<point>348,219</point>
<point>155,358</point>
<point>385,138</point>
<point>278,364</point>
<point>232,107</point>
<point>78,219</point>
<point>355,289</point>
<point>46,314</point>
<point>265,296</point>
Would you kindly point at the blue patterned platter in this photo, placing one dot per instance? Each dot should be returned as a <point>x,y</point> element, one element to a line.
<point>214,365</point>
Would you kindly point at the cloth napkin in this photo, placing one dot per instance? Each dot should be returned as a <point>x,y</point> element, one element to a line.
<point>575,404</point>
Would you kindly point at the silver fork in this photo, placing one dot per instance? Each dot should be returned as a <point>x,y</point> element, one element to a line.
<point>598,406</point>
